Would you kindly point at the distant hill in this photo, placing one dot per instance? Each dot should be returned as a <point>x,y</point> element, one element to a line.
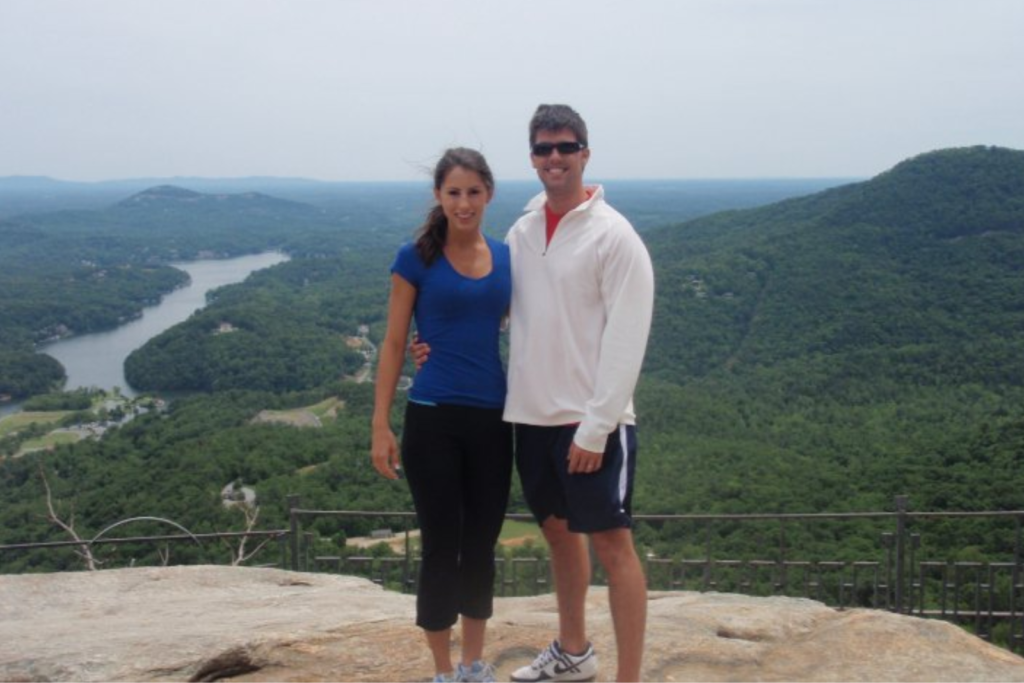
<point>176,223</point>
<point>169,206</point>
<point>163,194</point>
<point>33,194</point>
<point>165,197</point>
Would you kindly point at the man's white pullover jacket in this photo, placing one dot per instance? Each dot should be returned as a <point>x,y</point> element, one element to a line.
<point>580,318</point>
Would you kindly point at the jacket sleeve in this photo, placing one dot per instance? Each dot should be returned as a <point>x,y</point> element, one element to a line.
<point>627,289</point>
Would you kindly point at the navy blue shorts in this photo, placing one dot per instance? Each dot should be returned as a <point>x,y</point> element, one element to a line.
<point>595,501</point>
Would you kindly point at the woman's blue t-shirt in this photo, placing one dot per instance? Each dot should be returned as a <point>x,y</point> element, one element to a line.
<point>460,318</point>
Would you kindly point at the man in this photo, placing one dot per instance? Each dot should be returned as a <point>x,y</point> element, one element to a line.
<point>582,296</point>
<point>583,293</point>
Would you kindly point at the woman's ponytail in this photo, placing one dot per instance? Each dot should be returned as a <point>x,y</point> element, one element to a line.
<point>432,235</point>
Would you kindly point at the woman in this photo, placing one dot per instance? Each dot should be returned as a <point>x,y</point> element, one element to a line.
<point>456,450</point>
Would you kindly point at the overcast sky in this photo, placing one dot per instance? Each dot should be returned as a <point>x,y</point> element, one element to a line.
<point>376,89</point>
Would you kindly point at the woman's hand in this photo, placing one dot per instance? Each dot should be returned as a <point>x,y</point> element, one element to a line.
<point>384,453</point>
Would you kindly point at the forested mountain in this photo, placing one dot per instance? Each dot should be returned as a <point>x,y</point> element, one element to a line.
<point>823,353</point>
<point>836,350</point>
<point>919,266</point>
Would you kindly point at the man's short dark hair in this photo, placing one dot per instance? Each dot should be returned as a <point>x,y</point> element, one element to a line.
<point>552,117</point>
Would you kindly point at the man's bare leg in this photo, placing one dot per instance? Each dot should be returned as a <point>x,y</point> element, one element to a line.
<point>570,564</point>
<point>627,597</point>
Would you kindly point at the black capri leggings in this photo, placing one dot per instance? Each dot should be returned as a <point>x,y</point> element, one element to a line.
<point>458,461</point>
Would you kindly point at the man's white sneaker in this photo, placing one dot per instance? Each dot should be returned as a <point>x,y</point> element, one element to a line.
<point>555,664</point>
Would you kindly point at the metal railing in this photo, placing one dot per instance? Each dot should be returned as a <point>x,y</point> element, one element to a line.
<point>88,547</point>
<point>898,575</point>
<point>894,564</point>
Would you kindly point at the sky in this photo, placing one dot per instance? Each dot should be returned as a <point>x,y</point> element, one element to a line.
<point>369,90</point>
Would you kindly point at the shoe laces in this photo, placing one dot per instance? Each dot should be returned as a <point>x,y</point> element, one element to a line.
<point>546,657</point>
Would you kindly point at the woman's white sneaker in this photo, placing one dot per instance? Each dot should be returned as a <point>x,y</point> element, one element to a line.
<point>555,664</point>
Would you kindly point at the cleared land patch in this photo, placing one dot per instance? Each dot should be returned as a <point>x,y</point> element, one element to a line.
<point>308,416</point>
<point>13,423</point>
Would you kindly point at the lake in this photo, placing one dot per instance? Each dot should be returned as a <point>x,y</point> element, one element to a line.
<point>97,360</point>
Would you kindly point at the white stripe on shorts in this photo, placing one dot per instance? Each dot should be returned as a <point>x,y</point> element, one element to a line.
<point>624,472</point>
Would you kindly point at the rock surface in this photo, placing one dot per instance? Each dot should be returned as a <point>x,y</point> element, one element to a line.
<point>244,624</point>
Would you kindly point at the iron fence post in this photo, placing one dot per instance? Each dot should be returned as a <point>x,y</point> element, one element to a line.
<point>781,577</point>
<point>293,534</point>
<point>918,582</point>
<point>901,531</point>
<point>407,570</point>
<point>1015,639</point>
<point>708,575</point>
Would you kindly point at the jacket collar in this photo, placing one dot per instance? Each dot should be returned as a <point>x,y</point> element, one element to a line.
<point>537,203</point>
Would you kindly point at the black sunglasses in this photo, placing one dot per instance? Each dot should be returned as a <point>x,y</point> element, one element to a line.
<point>544,149</point>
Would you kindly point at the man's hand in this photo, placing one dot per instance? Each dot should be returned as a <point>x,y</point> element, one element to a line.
<point>583,461</point>
<point>420,351</point>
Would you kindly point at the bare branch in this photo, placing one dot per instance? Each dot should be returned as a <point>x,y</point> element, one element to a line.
<point>252,514</point>
<point>85,550</point>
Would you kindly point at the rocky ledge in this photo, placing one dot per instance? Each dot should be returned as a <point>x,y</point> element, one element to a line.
<point>242,624</point>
